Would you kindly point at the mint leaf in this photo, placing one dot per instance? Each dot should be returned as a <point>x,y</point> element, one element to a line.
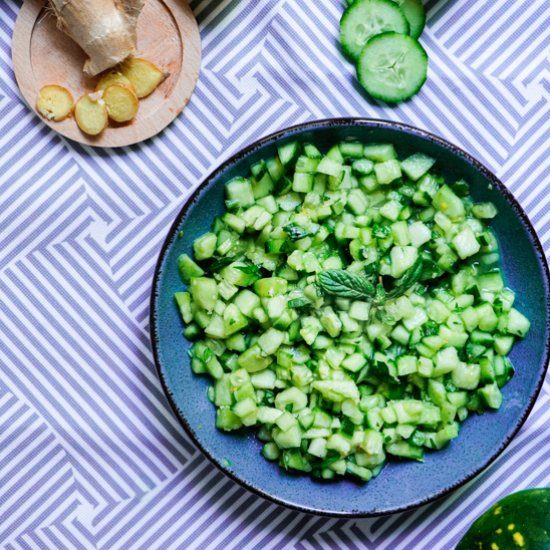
<point>250,269</point>
<point>295,232</point>
<point>409,279</point>
<point>345,284</point>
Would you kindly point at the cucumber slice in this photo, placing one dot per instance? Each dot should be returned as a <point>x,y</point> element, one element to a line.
<point>367,18</point>
<point>392,67</point>
<point>416,15</point>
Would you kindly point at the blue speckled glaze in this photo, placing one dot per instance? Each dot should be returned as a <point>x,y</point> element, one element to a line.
<point>401,485</point>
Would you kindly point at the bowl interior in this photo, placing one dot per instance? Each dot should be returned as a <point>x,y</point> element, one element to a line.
<point>401,485</point>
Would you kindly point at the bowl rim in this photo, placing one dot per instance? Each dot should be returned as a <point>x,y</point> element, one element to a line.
<point>273,138</point>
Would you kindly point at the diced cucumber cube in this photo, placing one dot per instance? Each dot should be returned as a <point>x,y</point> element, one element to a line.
<point>446,360</point>
<point>288,152</point>
<point>406,450</point>
<point>446,434</point>
<point>362,166</point>
<point>271,340</point>
<point>337,390</point>
<point>275,168</point>
<point>338,443</point>
<point>204,246</point>
<point>311,326</point>
<point>271,451</point>
<point>448,203</point>
<point>465,243</point>
<point>357,202</point>
<point>331,322</point>
<point>329,167</point>
<point>302,182</point>
<point>402,258</point>
<point>419,234</point>
<point>188,269</point>
<point>406,364</point>
<point>227,420</point>
<point>387,171</point>
<point>425,367</point>
<point>400,233</point>
<point>311,151</point>
<point>379,152</point>
<point>233,320</point>
<point>391,210</point>
<point>401,335</point>
<point>354,362</point>
<point>262,187</point>
<point>247,302</point>
<point>245,407</point>
<point>253,359</point>
<point>490,281</point>
<point>293,397</point>
<point>351,149</point>
<point>288,439</point>
<point>491,395</point>
<point>484,210</point>
<point>359,311</point>
<point>239,192</point>
<point>183,301</point>
<point>318,447</point>
<point>517,324</point>
<point>417,165</point>
<point>466,376</point>
<point>204,292</point>
<point>487,319</point>
<point>335,154</point>
<point>271,286</point>
<point>503,344</point>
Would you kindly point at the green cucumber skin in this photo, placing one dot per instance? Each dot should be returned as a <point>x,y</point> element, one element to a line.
<point>527,511</point>
<point>416,15</point>
<point>350,14</point>
<point>380,95</point>
<point>414,12</point>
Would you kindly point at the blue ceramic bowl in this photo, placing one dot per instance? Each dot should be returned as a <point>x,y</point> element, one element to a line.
<point>401,485</point>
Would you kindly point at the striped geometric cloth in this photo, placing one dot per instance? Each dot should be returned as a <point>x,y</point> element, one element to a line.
<point>91,455</point>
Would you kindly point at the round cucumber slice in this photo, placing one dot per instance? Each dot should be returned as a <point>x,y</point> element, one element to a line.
<point>416,15</point>
<point>392,67</point>
<point>366,18</point>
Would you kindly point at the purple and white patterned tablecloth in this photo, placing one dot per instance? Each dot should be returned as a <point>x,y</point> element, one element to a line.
<point>91,456</point>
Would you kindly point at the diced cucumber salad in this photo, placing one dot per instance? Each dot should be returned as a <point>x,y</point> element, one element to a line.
<point>349,307</point>
<point>380,37</point>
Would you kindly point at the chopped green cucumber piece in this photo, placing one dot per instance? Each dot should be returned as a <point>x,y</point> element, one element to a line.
<point>417,165</point>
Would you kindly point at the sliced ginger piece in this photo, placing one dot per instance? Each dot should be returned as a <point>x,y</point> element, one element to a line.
<point>91,113</point>
<point>112,77</point>
<point>121,102</point>
<point>54,102</point>
<point>144,75</point>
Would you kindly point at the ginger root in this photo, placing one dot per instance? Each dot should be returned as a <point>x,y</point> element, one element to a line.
<point>90,113</point>
<point>54,102</point>
<point>122,103</point>
<point>144,75</point>
<point>104,29</point>
<point>112,77</point>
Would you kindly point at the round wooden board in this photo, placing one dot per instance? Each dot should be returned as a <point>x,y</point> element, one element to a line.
<point>168,35</point>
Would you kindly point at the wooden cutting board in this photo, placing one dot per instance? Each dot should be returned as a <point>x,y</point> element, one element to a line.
<point>168,35</point>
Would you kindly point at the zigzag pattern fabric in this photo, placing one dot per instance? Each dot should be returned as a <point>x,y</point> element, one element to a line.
<point>91,456</point>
